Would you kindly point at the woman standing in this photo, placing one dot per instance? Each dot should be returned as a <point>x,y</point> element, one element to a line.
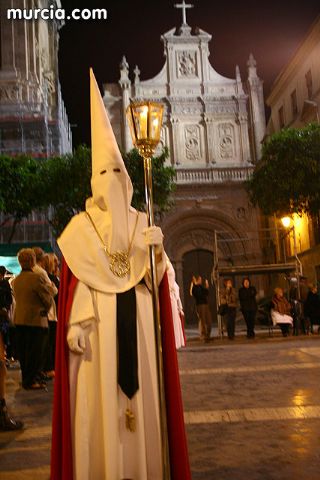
<point>7,423</point>
<point>248,304</point>
<point>33,301</point>
<point>51,266</point>
<point>228,297</point>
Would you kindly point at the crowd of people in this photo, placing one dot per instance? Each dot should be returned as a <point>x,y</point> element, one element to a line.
<point>299,312</point>
<point>28,319</point>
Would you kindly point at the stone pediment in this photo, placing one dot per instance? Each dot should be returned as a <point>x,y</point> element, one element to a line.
<point>206,115</point>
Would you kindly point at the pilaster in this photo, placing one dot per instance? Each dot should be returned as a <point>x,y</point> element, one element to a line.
<point>125,85</point>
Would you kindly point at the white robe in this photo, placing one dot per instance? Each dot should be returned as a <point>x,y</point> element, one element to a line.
<point>103,449</point>
<point>176,307</point>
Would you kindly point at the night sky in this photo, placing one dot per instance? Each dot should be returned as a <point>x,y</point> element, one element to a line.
<point>271,30</point>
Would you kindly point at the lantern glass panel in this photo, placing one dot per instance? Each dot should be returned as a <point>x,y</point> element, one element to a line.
<point>140,118</point>
<point>155,120</point>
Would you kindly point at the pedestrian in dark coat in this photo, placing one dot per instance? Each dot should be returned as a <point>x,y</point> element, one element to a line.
<point>200,293</point>
<point>312,306</point>
<point>248,305</point>
<point>228,297</point>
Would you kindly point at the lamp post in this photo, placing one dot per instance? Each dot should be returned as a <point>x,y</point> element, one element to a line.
<point>286,222</point>
<point>145,120</point>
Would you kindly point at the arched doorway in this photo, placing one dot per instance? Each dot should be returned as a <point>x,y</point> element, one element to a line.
<point>197,262</point>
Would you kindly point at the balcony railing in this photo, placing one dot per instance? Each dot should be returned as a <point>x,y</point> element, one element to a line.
<point>213,175</point>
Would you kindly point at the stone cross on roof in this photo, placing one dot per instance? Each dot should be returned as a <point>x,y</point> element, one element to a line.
<point>184,7</point>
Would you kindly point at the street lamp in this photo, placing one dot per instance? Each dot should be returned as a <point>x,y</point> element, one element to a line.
<point>145,120</point>
<point>286,222</point>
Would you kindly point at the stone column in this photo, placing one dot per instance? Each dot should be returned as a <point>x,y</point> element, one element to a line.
<point>209,136</point>
<point>21,42</point>
<point>242,120</point>
<point>255,89</point>
<point>175,130</point>
<point>125,85</point>
<point>7,38</point>
<point>32,45</point>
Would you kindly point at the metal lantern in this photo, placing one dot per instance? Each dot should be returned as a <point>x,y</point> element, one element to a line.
<point>145,121</point>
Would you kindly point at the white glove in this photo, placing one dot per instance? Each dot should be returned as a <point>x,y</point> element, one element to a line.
<point>153,236</point>
<point>76,339</point>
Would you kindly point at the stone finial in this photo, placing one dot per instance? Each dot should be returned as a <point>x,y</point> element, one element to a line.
<point>252,66</point>
<point>124,65</point>
<point>124,73</point>
<point>238,75</point>
<point>136,72</point>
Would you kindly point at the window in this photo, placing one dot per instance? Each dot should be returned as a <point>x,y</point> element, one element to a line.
<point>316,228</point>
<point>0,45</point>
<point>309,83</point>
<point>294,103</point>
<point>317,267</point>
<point>281,117</point>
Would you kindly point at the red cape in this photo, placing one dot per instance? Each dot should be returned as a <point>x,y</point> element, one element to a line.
<point>61,452</point>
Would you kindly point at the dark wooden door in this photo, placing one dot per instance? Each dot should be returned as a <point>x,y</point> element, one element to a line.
<point>197,262</point>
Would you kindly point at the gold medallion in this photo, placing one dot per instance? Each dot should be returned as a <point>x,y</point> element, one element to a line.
<point>119,264</point>
<point>119,261</point>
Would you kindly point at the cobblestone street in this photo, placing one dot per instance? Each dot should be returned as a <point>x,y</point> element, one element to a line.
<point>252,411</point>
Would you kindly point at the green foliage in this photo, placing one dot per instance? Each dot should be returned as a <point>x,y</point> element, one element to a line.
<point>19,184</point>
<point>287,179</point>
<point>163,180</point>
<point>66,185</point>
<point>63,184</point>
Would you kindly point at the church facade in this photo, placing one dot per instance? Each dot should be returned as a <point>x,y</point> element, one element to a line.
<point>213,127</point>
<point>33,119</point>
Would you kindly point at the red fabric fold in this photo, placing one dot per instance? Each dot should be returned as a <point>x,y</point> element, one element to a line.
<point>61,452</point>
<point>178,449</point>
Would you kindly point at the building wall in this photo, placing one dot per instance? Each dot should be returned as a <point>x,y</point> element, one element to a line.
<point>288,109</point>
<point>295,77</point>
<point>33,119</point>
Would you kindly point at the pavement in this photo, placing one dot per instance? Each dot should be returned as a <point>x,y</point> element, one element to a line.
<point>252,412</point>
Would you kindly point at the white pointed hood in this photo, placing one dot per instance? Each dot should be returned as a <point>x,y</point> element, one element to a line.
<point>110,210</point>
<point>111,185</point>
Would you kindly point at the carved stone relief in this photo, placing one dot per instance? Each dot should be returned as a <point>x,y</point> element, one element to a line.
<point>9,94</point>
<point>198,238</point>
<point>226,140</point>
<point>187,109</point>
<point>186,64</point>
<point>241,214</point>
<point>192,142</point>
<point>162,142</point>
<point>50,81</point>
<point>44,59</point>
